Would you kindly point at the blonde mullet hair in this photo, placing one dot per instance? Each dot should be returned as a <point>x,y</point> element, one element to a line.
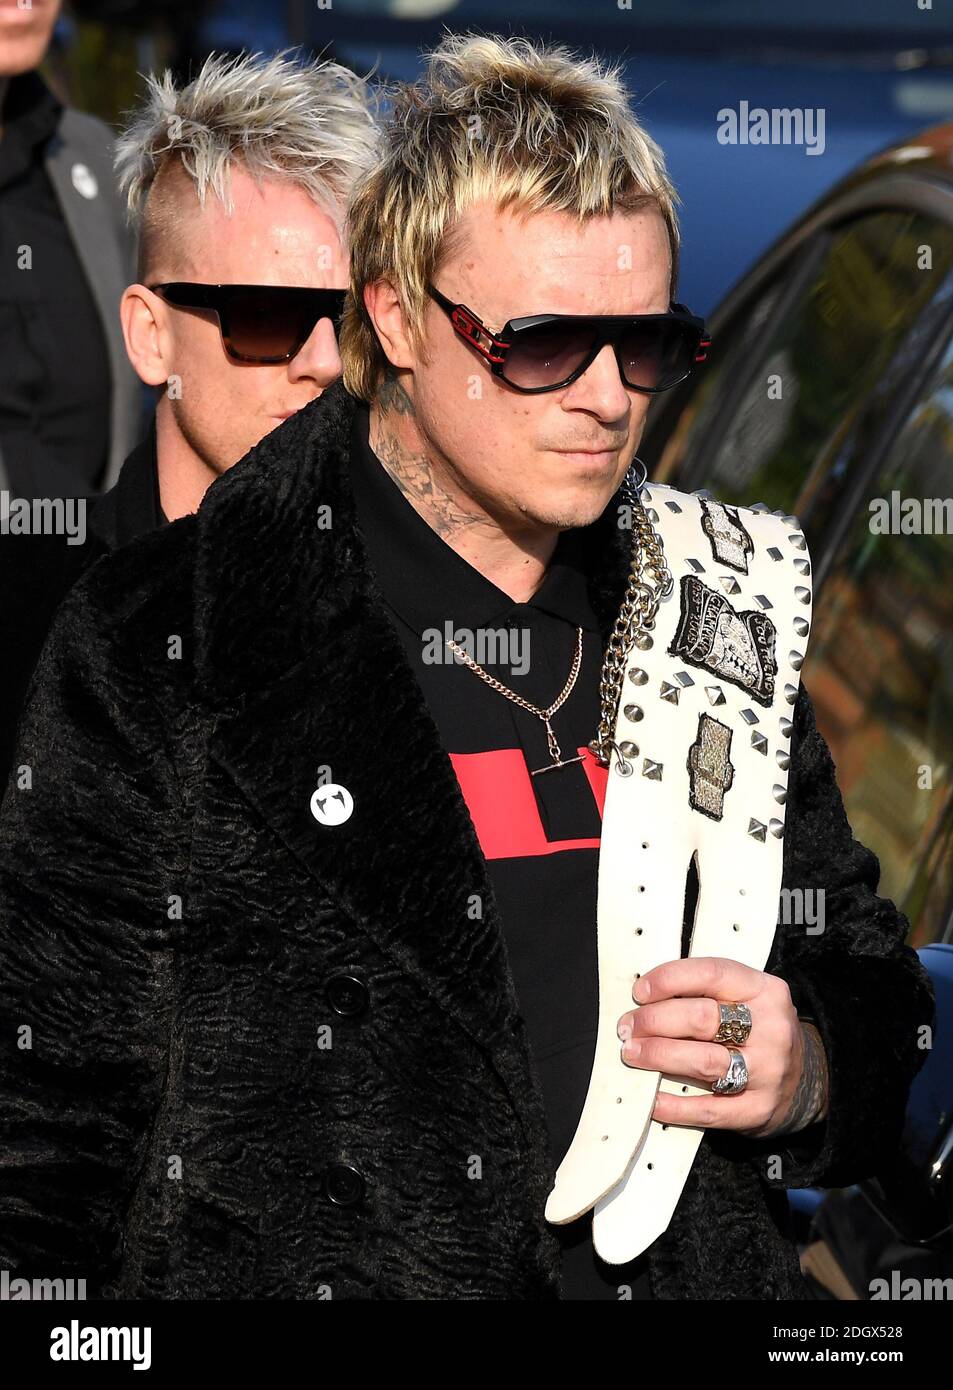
<point>526,126</point>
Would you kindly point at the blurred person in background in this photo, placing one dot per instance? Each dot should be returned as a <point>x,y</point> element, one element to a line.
<point>70,407</point>
<point>238,184</point>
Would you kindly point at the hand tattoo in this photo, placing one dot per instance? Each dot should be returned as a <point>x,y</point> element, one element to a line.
<point>813,1090</point>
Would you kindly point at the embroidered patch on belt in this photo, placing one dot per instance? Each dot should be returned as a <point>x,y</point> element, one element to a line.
<point>710,771</point>
<point>738,647</point>
<point>730,543</point>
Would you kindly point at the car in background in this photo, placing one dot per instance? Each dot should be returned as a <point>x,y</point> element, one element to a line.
<point>828,395</point>
<point>877,70</point>
<point>829,384</point>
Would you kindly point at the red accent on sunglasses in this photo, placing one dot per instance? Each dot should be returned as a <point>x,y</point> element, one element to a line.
<point>469,326</point>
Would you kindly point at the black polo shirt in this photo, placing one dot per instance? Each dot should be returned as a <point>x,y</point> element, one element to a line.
<point>539,834</point>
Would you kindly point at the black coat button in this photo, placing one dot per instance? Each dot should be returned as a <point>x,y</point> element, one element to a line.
<point>347,995</point>
<point>344,1185</point>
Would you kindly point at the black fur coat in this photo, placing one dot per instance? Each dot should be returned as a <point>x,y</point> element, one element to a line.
<point>196,1098</point>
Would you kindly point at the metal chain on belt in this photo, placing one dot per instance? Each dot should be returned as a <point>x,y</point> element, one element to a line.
<point>649,582</point>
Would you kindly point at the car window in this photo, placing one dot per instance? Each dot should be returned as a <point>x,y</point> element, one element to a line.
<point>687,417</point>
<point>809,377</point>
<point>880,664</point>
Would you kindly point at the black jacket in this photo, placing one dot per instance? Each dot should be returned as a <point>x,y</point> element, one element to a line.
<point>265,1052</point>
<point>37,572</point>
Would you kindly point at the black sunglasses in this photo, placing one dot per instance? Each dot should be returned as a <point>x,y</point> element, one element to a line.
<point>259,323</point>
<point>547,351</point>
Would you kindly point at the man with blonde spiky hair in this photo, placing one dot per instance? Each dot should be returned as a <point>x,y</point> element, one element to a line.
<point>312,839</point>
<point>238,184</point>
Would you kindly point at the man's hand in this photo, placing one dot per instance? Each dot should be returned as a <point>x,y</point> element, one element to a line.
<point>671,1033</point>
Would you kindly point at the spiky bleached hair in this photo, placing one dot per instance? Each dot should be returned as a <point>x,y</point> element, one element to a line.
<point>523,125</point>
<point>313,124</point>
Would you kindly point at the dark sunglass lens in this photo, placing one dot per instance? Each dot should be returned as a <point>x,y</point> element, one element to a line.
<point>547,355</point>
<point>655,356</point>
<point>275,323</point>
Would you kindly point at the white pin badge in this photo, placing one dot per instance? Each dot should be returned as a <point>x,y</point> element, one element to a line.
<point>332,804</point>
<point>84,180</point>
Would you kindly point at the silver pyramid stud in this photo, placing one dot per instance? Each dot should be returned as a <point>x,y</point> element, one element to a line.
<point>764,601</point>
<point>634,712</point>
<point>729,583</point>
<point>792,521</point>
<point>779,793</point>
<point>701,492</point>
<point>777,512</point>
<point>637,676</point>
<point>684,678</point>
<point>775,553</point>
<point>652,770</point>
<point>796,659</point>
<point>790,693</point>
<point>716,696</point>
<point>802,566</point>
<point>652,515</point>
<point>758,742</point>
<point>759,507</point>
<point>696,565</point>
<point>802,595</point>
<point>629,750</point>
<point>644,642</point>
<point>645,495</point>
<point>749,716</point>
<point>756,830</point>
<point>670,692</point>
<point>673,506</point>
<point>777,828</point>
<point>802,627</point>
<point>785,726</point>
<point>783,759</point>
<point>798,541</point>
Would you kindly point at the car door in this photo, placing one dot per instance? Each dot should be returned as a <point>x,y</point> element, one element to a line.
<point>831,387</point>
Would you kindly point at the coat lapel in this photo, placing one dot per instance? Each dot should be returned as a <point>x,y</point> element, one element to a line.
<point>296,657</point>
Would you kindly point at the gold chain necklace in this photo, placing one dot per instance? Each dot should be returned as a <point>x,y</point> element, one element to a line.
<point>544,714</point>
<point>650,580</point>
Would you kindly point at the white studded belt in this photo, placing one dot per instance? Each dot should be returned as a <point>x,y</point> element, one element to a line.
<point>705,722</point>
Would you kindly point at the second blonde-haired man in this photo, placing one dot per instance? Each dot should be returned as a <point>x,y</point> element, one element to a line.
<point>237,183</point>
<point>338,949</point>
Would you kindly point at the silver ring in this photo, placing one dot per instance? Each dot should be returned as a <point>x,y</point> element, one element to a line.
<point>734,1025</point>
<point>735,1078</point>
